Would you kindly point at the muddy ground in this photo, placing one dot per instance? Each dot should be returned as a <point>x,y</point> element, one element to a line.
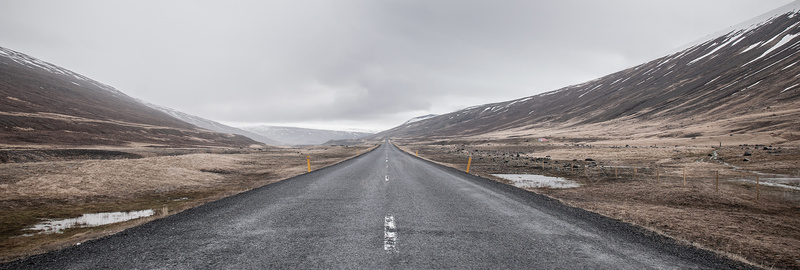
<point>39,184</point>
<point>644,185</point>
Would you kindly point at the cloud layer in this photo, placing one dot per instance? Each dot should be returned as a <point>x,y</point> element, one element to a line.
<point>358,64</point>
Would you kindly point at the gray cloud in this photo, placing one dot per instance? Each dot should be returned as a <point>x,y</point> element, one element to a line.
<point>365,64</point>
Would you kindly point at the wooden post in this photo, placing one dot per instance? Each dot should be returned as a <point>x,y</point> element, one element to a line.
<point>308,160</point>
<point>684,176</point>
<point>585,172</point>
<point>758,187</point>
<point>469,162</point>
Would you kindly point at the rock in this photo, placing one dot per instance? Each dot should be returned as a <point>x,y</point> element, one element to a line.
<point>747,154</point>
<point>589,159</point>
<point>747,159</point>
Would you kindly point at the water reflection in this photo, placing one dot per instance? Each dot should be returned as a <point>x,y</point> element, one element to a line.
<point>88,220</point>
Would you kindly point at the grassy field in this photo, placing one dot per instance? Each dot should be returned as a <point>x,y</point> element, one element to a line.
<point>644,185</point>
<point>49,184</point>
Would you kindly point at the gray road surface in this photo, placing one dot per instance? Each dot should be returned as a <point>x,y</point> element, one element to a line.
<point>384,209</point>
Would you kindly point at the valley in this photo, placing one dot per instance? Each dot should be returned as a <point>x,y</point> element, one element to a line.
<point>695,152</point>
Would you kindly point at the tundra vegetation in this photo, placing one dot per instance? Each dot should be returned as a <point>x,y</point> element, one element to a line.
<point>642,182</point>
<point>50,183</point>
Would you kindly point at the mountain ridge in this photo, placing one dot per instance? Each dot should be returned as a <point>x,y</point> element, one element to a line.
<point>304,136</point>
<point>46,105</point>
<point>210,124</point>
<point>745,71</point>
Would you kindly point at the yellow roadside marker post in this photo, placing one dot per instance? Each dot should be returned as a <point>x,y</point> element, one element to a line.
<point>658,173</point>
<point>308,160</point>
<point>469,162</point>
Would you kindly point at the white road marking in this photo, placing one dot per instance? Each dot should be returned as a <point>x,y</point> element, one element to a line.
<point>389,234</point>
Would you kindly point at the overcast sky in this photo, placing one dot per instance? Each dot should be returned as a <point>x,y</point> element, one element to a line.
<point>344,64</point>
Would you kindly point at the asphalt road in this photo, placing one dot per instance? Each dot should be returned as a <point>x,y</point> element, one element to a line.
<point>384,209</point>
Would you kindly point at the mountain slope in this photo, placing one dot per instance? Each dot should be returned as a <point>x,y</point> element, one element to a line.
<point>211,125</point>
<point>304,136</point>
<point>744,81</point>
<point>43,104</point>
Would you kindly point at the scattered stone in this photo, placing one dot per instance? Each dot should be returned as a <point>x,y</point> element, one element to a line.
<point>747,159</point>
<point>747,154</point>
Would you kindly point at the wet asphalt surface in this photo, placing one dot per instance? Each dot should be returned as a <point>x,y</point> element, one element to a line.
<point>384,209</point>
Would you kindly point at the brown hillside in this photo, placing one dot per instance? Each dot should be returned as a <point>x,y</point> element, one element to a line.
<point>43,104</point>
<point>744,81</point>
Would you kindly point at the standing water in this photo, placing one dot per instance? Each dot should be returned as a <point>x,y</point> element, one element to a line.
<point>88,220</point>
<point>538,181</point>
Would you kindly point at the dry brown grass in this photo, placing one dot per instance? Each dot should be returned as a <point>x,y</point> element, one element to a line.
<point>730,220</point>
<point>167,180</point>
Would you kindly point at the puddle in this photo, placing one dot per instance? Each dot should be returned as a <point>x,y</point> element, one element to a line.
<point>538,181</point>
<point>88,220</point>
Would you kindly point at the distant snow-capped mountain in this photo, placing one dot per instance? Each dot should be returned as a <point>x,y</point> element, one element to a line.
<point>304,136</point>
<point>211,125</point>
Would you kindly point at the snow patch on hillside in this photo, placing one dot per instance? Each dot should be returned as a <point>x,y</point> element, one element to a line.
<point>34,63</point>
<point>420,118</point>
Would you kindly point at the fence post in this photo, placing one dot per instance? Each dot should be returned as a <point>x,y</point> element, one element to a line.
<point>758,187</point>
<point>684,176</point>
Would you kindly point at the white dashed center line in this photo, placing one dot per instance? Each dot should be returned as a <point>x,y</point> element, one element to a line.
<point>389,234</point>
